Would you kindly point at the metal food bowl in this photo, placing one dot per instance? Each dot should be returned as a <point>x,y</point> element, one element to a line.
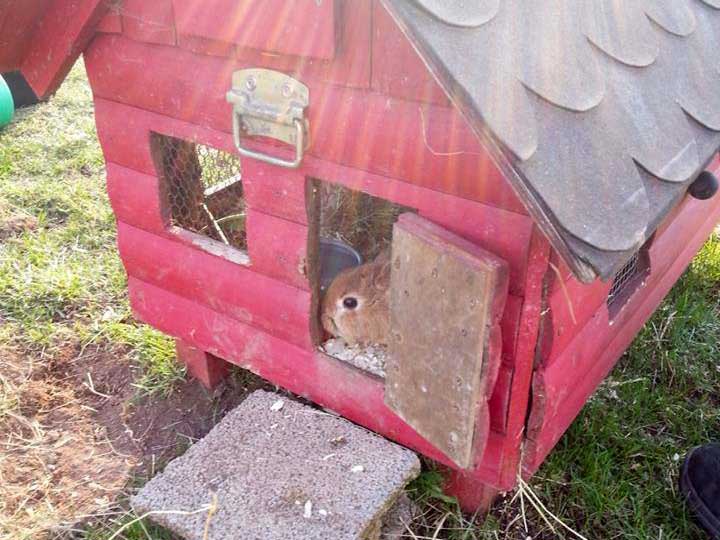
<point>335,256</point>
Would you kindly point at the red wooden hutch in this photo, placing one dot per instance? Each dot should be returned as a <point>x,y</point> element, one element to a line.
<point>370,117</point>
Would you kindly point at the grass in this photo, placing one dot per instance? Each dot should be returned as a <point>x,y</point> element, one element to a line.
<point>62,290</point>
<point>613,475</point>
<point>61,282</point>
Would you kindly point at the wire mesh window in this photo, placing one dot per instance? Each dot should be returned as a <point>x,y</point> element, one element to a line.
<point>628,280</point>
<point>202,189</point>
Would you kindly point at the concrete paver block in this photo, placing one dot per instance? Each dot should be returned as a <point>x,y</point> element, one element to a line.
<point>274,469</point>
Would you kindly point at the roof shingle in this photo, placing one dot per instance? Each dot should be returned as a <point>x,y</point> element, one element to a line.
<point>604,110</point>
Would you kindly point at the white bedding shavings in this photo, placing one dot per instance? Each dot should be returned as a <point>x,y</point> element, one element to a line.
<point>371,359</point>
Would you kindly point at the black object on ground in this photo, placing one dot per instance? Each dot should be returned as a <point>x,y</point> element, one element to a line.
<point>700,484</point>
<point>23,95</point>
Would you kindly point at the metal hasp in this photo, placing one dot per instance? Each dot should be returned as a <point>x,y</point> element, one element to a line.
<point>270,104</point>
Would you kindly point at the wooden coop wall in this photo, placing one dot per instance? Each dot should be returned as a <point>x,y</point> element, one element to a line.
<point>44,38</point>
<point>17,27</point>
<point>152,72</point>
<point>581,339</point>
<point>270,299</point>
<point>164,67</point>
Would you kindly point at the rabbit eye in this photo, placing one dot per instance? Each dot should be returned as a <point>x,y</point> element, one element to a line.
<point>350,302</point>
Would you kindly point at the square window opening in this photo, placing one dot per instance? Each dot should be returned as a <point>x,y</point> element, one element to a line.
<point>201,190</point>
<point>353,228</point>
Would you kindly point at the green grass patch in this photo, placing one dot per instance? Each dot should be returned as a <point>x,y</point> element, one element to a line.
<point>61,281</point>
<point>126,527</point>
<point>615,471</point>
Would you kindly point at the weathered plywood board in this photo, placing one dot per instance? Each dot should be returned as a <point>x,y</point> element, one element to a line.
<point>447,297</point>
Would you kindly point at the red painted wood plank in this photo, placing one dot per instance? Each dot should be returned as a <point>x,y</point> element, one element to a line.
<point>62,34</point>
<point>230,288</point>
<point>275,191</point>
<point>688,217</point>
<point>572,304</point>
<point>429,146</point>
<point>207,368</point>
<point>562,389</point>
<point>210,47</point>
<point>303,28</point>
<point>278,248</point>
<point>351,63</point>
<point>539,254</point>
<point>474,497</point>
<point>135,198</point>
<point>582,302</point>
<point>18,21</point>
<point>124,135</point>
<point>150,22</point>
<point>499,403</point>
<point>500,399</point>
<point>319,378</point>
<point>397,70</point>
<point>511,325</point>
<point>111,23</point>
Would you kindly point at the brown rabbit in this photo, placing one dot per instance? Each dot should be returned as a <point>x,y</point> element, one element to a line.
<point>356,304</point>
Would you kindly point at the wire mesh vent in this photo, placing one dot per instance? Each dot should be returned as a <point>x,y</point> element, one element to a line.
<point>202,188</point>
<point>627,280</point>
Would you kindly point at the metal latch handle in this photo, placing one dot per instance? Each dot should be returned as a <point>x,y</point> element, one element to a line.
<point>272,160</point>
<point>269,104</point>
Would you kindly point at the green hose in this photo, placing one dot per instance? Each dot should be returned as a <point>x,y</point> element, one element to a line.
<point>7,105</point>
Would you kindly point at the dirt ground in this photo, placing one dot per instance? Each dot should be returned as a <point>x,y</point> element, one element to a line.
<point>79,435</point>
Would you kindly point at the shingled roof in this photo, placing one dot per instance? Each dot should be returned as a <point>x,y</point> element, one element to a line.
<point>601,112</point>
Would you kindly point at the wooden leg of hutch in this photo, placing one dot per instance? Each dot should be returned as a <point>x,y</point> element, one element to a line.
<point>474,496</point>
<point>208,369</point>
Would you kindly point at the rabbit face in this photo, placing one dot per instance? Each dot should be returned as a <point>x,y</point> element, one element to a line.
<point>355,307</point>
